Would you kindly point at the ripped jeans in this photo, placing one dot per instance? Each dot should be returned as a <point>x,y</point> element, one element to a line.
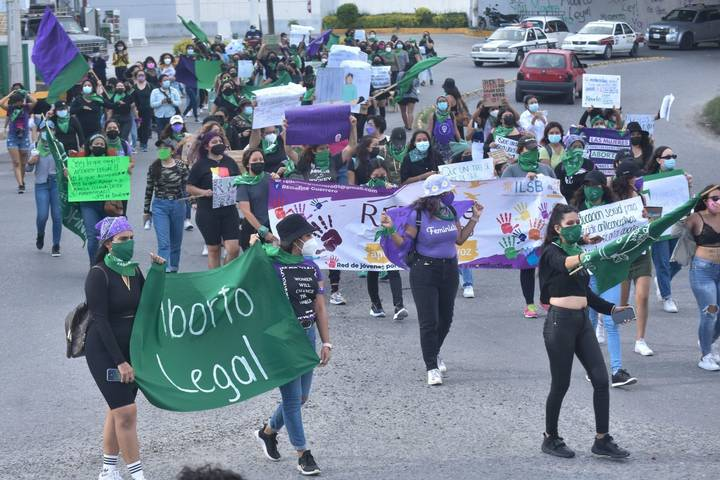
<point>705,285</point>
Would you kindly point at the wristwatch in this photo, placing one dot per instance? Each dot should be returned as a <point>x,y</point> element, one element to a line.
<point>328,345</point>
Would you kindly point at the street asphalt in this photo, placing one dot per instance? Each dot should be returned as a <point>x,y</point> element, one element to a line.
<point>371,414</point>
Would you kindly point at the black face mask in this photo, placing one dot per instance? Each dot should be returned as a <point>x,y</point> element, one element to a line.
<point>257,168</point>
<point>112,134</point>
<point>509,121</point>
<point>98,151</point>
<point>374,152</point>
<point>635,141</point>
<point>227,91</point>
<point>217,149</point>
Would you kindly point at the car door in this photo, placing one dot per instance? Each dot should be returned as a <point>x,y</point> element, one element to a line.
<point>541,39</point>
<point>578,72</point>
<point>619,39</point>
<point>561,31</point>
<point>530,39</point>
<point>714,24</point>
<point>630,36</point>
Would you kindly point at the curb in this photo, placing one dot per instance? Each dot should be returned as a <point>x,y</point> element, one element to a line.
<point>433,30</point>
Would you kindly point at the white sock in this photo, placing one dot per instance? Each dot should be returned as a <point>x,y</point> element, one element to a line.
<point>109,462</point>
<point>136,470</point>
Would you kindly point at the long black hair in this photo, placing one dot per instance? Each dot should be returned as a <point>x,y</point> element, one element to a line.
<point>102,251</point>
<point>652,165</point>
<point>621,187</point>
<point>556,217</point>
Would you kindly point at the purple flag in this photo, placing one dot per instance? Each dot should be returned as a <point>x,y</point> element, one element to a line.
<point>314,46</point>
<point>402,217</point>
<point>53,49</point>
<point>318,124</point>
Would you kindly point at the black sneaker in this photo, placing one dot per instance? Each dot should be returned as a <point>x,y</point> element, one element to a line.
<point>554,445</point>
<point>622,378</point>
<point>307,465</point>
<point>606,447</point>
<point>55,251</point>
<point>377,311</point>
<point>269,444</point>
<point>40,241</point>
<point>21,189</point>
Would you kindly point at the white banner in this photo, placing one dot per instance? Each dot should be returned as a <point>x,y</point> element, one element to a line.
<point>646,121</point>
<point>272,103</point>
<point>667,190</point>
<point>612,221</point>
<point>469,171</point>
<point>601,91</point>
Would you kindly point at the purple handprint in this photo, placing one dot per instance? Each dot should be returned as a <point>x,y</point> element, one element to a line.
<point>517,233</point>
<point>544,213</point>
<point>328,235</point>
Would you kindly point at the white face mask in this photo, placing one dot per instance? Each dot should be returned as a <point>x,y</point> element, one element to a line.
<point>494,113</point>
<point>270,138</point>
<point>167,61</point>
<point>311,247</point>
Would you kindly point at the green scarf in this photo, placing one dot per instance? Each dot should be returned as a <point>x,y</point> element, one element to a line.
<point>42,146</point>
<point>94,97</point>
<point>308,94</point>
<point>62,123</point>
<point>376,183</point>
<point>397,155</point>
<point>121,267</point>
<point>445,214</point>
<point>177,136</point>
<point>279,255</point>
<point>501,131</point>
<point>118,97</point>
<point>116,144</point>
<point>289,168</point>
<point>442,116</point>
<point>572,160</point>
<point>17,111</point>
<point>571,249</point>
<point>416,155</point>
<point>529,160</point>
<point>384,232</point>
<point>247,179</point>
<point>231,99</point>
<point>322,160</point>
<point>268,148</point>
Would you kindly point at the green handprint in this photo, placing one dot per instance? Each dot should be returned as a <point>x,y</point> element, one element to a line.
<point>522,210</point>
<point>508,245</point>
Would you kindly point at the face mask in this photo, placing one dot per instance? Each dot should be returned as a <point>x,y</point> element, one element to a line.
<point>164,153</point>
<point>248,110</point>
<point>119,89</point>
<point>447,198</point>
<point>166,83</point>
<point>98,151</point>
<point>150,65</point>
<point>120,48</point>
<point>593,193</point>
<point>190,51</point>
<point>388,49</point>
<point>257,168</point>
<point>310,247</point>
<point>369,129</point>
<point>494,113</point>
<point>141,78</point>
<point>323,60</point>
<point>533,107</point>
<point>639,182</point>
<point>271,138</point>
<point>509,121</point>
<point>87,90</point>
<point>554,138</point>
<point>62,113</point>
<point>528,160</point>
<point>227,91</point>
<point>399,46</point>
<point>668,164</point>
<point>442,106</point>
<point>123,250</point>
<point>422,145</point>
<point>233,74</point>
<point>217,149</point>
<point>572,160</point>
<point>177,127</point>
<point>571,234</point>
<point>635,141</point>
<point>713,207</point>
<point>374,152</point>
<point>112,134</point>
<point>376,182</point>
<point>167,61</point>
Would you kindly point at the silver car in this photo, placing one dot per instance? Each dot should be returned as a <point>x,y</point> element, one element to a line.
<point>686,27</point>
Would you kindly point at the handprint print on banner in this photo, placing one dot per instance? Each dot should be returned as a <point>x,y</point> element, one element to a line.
<point>522,210</point>
<point>280,213</point>
<point>544,212</point>
<point>508,246</point>
<point>317,203</point>
<point>536,226</point>
<point>531,256</point>
<point>517,233</point>
<point>332,262</point>
<point>328,235</point>
<point>505,221</point>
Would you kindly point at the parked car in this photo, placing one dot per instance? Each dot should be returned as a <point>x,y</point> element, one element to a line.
<point>554,27</point>
<point>508,45</point>
<point>604,38</point>
<point>686,27</point>
<point>550,72</point>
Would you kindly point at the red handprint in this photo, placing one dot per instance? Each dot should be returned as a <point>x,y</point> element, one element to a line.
<point>328,235</point>
<point>280,213</point>
<point>536,226</point>
<point>332,261</point>
<point>505,221</point>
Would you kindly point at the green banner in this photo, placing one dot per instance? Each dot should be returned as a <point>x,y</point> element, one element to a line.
<point>98,178</point>
<point>206,71</point>
<point>71,215</point>
<point>210,339</point>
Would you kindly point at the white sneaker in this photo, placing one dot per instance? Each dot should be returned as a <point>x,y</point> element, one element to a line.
<point>337,299</point>
<point>188,115</point>
<point>187,224</point>
<point>147,225</point>
<point>434,377</point>
<point>441,365</point>
<point>642,348</point>
<point>657,290</point>
<point>204,251</point>
<point>600,331</point>
<point>110,475</point>
<point>468,291</point>
<point>670,306</point>
<point>706,363</point>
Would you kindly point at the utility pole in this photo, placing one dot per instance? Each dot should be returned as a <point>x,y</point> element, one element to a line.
<point>14,36</point>
<point>271,17</point>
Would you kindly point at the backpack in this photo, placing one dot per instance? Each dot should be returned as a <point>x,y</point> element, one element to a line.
<point>76,325</point>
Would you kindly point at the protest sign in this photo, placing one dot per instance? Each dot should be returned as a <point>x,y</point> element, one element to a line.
<point>299,33</point>
<point>317,124</point>
<point>493,92</point>
<point>272,103</point>
<point>360,35</point>
<point>478,151</point>
<point>601,91</point>
<point>508,235</point>
<point>328,84</point>
<point>508,145</point>
<point>340,53</point>
<point>380,77</point>
<point>271,40</point>
<point>612,221</point>
<point>469,171</point>
<point>210,339</point>
<point>667,190</point>
<point>224,192</point>
<point>245,68</point>
<point>98,178</point>
<point>646,121</point>
<point>665,106</point>
<point>601,146</point>
<point>343,84</point>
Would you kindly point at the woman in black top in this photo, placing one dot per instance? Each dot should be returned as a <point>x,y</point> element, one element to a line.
<point>572,168</point>
<point>217,225</point>
<point>121,102</point>
<point>421,160</point>
<point>113,288</point>
<point>641,145</point>
<point>568,332</point>
<point>360,165</point>
<point>88,108</point>
<point>67,128</point>
<point>141,99</point>
<point>252,196</point>
<point>227,99</point>
<point>272,146</point>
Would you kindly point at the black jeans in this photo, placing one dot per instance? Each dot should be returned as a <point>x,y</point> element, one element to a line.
<point>334,276</point>
<point>145,127</point>
<point>395,287</point>
<point>568,333</point>
<point>434,284</point>
<point>527,284</point>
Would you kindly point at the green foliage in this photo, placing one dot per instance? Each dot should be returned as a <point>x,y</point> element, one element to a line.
<point>180,47</point>
<point>348,14</point>
<point>451,20</point>
<point>711,112</point>
<point>393,20</point>
<point>293,22</point>
<point>330,21</point>
<point>424,17</point>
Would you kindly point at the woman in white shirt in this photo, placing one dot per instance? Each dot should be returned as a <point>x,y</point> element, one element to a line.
<point>533,120</point>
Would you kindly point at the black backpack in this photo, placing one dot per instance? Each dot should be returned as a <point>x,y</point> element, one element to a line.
<point>76,325</point>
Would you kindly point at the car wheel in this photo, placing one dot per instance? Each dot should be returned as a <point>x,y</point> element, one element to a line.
<point>634,50</point>
<point>519,58</point>
<point>519,95</point>
<point>686,42</point>
<point>653,47</point>
<point>478,64</point>
<point>607,54</point>
<point>570,99</point>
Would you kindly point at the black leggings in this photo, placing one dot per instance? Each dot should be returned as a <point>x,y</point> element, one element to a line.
<point>568,333</point>
<point>527,284</point>
<point>334,276</point>
<point>434,284</point>
<point>395,287</point>
<point>145,127</point>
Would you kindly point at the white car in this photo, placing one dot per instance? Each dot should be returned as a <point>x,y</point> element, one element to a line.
<point>508,45</point>
<point>554,27</point>
<point>604,38</point>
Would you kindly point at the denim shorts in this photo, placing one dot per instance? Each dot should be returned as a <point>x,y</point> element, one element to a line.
<point>20,143</point>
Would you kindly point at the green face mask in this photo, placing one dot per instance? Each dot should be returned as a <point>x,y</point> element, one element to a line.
<point>322,160</point>
<point>593,193</point>
<point>572,234</point>
<point>164,153</point>
<point>528,160</point>
<point>572,160</point>
<point>123,250</point>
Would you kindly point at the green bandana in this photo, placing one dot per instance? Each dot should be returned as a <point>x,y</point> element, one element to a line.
<point>163,153</point>
<point>289,168</point>
<point>445,214</point>
<point>116,144</point>
<point>177,136</point>
<point>308,94</point>
<point>267,147</point>
<point>62,123</point>
<point>42,147</point>
<point>126,268</point>
<point>397,155</point>
<point>572,160</point>
<point>322,160</point>
<point>17,111</point>
<point>118,97</point>
<point>94,97</point>
<point>501,131</point>
<point>571,249</point>
<point>529,160</point>
<point>376,182</point>
<point>592,194</point>
<point>384,232</point>
<point>231,99</point>
<point>416,155</point>
<point>442,116</point>
<point>279,255</point>
<point>247,179</point>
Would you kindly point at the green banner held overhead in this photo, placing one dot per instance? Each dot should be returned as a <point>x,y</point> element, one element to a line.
<point>210,339</point>
<point>98,178</point>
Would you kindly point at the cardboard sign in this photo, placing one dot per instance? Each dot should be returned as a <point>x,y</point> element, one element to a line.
<point>601,91</point>
<point>508,145</point>
<point>667,190</point>
<point>245,69</point>
<point>493,92</point>
<point>224,192</point>
<point>380,76</point>
<point>469,171</point>
<point>92,179</point>
<point>272,103</point>
<point>646,121</point>
<point>612,221</point>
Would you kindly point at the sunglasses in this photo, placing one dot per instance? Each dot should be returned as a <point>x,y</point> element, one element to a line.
<point>714,198</point>
<point>668,157</point>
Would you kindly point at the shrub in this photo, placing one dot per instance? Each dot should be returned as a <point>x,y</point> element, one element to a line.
<point>388,20</point>
<point>451,20</point>
<point>329,21</point>
<point>424,17</point>
<point>348,14</point>
<point>711,112</point>
<point>180,47</point>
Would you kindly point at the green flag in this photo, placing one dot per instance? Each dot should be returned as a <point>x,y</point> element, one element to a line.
<point>283,78</point>
<point>206,72</point>
<point>404,84</point>
<point>71,216</point>
<point>611,263</point>
<point>196,31</point>
<point>210,339</point>
<point>332,40</point>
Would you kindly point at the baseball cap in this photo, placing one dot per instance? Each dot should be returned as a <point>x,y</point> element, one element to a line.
<point>176,119</point>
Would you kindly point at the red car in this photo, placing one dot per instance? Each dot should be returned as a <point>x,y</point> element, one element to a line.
<point>550,72</point>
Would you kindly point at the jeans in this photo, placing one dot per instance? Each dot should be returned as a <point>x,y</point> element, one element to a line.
<point>168,217</point>
<point>568,333</point>
<point>527,285</point>
<point>705,285</point>
<point>134,134</point>
<point>334,277</point>
<point>612,295</point>
<point>192,95</point>
<point>395,287</point>
<point>47,202</point>
<point>664,268</point>
<point>342,175</point>
<point>126,123</point>
<point>467,276</point>
<point>434,284</point>
<point>294,395</point>
<point>92,213</point>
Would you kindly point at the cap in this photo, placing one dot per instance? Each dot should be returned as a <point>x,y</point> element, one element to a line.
<point>595,177</point>
<point>627,168</point>
<point>293,227</point>
<point>176,119</point>
<point>527,141</point>
<point>61,105</point>
<point>570,139</point>
<point>436,185</point>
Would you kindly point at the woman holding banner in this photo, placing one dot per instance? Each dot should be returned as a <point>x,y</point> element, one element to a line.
<point>433,229</point>
<point>303,284</point>
<point>573,167</point>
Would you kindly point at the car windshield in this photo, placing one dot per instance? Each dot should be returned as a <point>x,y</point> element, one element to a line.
<point>597,29</point>
<point>545,60</point>
<point>680,16</point>
<point>508,34</point>
<point>70,25</point>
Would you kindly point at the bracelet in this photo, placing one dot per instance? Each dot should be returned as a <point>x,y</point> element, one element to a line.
<point>262,231</point>
<point>328,345</point>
